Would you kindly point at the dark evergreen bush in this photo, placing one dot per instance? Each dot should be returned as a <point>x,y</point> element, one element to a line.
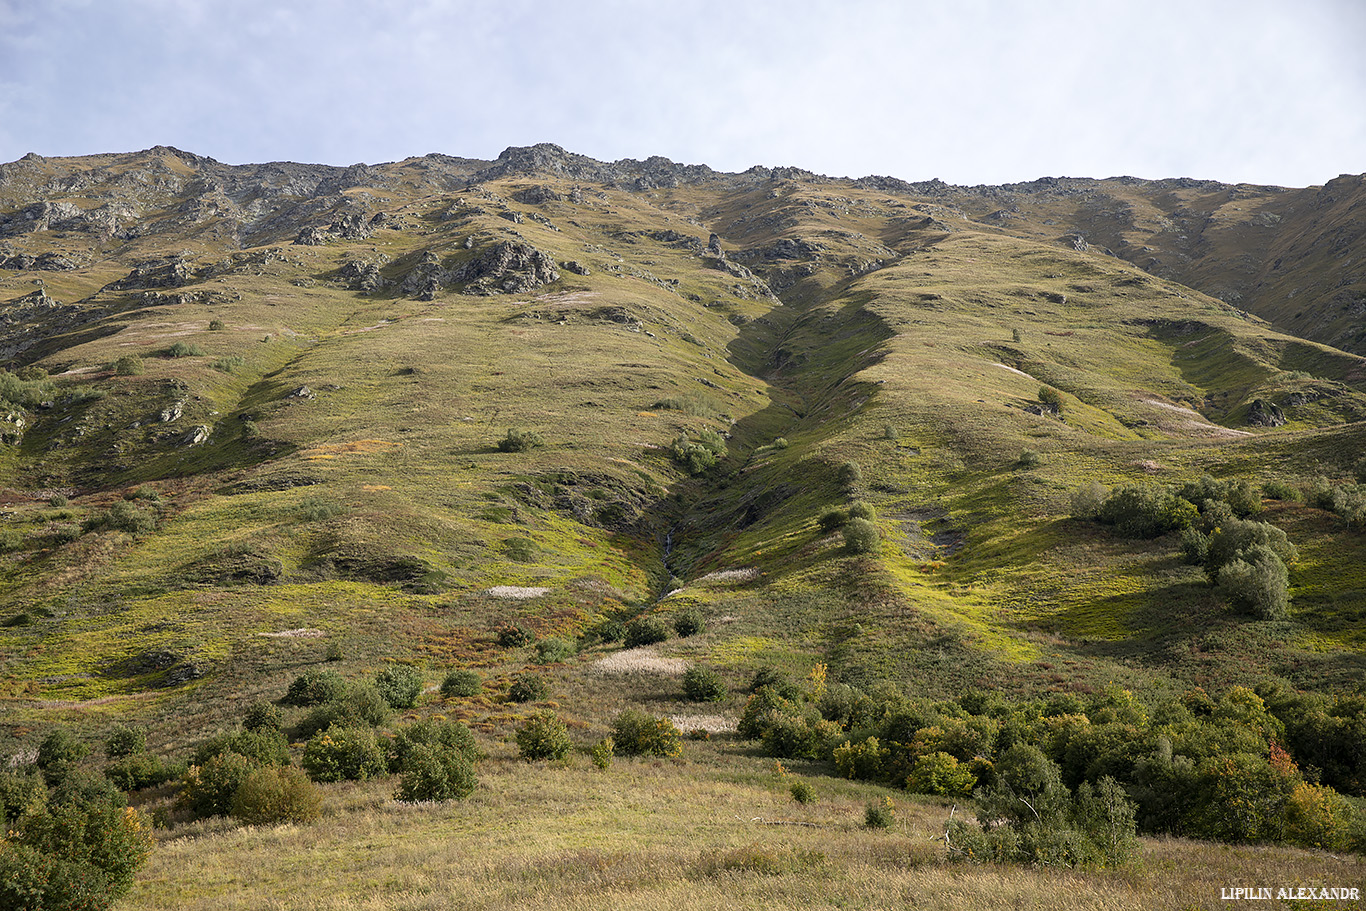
<point>527,687</point>
<point>646,631</point>
<point>518,440</point>
<point>314,687</point>
<point>543,736</point>
<point>399,685</point>
<point>689,623</point>
<point>433,773</point>
<point>271,795</point>
<point>702,684</point>
<point>462,682</point>
<point>861,537</point>
<point>635,733</point>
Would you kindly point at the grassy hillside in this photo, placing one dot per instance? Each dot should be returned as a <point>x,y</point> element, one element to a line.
<point>281,418</point>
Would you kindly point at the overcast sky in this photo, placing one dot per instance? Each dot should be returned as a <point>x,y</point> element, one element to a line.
<point>970,91</point>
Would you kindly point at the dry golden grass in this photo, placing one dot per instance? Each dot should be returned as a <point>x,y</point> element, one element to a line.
<point>714,830</point>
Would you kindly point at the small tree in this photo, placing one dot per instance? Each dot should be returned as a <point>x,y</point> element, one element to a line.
<point>400,685</point>
<point>861,536</point>
<point>702,684</point>
<point>518,440</point>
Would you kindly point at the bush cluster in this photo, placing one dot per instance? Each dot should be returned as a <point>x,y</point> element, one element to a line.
<point>399,685</point>
<point>636,733</point>
<point>462,682</point>
<point>517,440</point>
<point>435,761</point>
<point>646,631</point>
<point>702,684</point>
<point>543,736</point>
<point>1096,768</point>
<point>700,454</point>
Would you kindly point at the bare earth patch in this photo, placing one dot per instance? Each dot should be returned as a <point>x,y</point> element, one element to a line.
<point>302,633</point>
<point>517,591</point>
<point>1012,370</point>
<point>643,660</point>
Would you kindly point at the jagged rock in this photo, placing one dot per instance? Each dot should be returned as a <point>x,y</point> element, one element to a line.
<point>537,195</point>
<point>362,276</point>
<point>303,392</point>
<point>714,246</point>
<point>509,267</point>
<point>351,227</point>
<point>511,215</point>
<point>172,412</point>
<point>170,272</point>
<point>576,267</point>
<point>197,435</point>
<point>312,236</point>
<point>1265,414</point>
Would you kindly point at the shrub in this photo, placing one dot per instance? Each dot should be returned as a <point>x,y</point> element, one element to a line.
<point>1257,582</point>
<point>73,856</point>
<point>848,475</point>
<point>1087,499</point>
<point>58,501</point>
<point>318,509</point>
<point>523,550</point>
<point>700,455</point>
<point>1194,546</point>
<point>861,510</point>
<point>462,682</point>
<point>360,705</point>
<point>21,793</point>
<point>442,736</point>
<point>602,753</point>
<point>527,687</point>
<point>216,325</point>
<point>314,687</point>
<point>270,795</point>
<point>776,680</point>
<point>940,773</point>
<point>141,770</point>
<point>832,519</point>
<point>519,440</point>
<point>879,814</point>
<point>263,747</point>
<point>184,349</point>
<point>263,716</point>
<point>1050,399</point>
<point>689,623</point>
<point>1029,458</point>
<point>543,736</point>
<point>802,792</point>
<point>399,685</point>
<point>636,733</point>
<point>207,789</point>
<point>430,773</point>
<point>343,754</point>
<point>123,516</point>
<point>514,635</point>
<point>125,741</point>
<point>860,760</point>
<point>611,631</point>
<point>58,752</point>
<point>1281,490</point>
<point>553,649</point>
<point>861,536</point>
<point>646,631</point>
<point>128,365</point>
<point>702,684</point>
<point>1146,511</point>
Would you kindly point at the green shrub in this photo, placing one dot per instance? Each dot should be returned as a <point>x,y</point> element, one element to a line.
<point>1029,458</point>
<point>515,635</point>
<point>125,741</point>
<point>1281,490</point>
<point>861,537</point>
<point>207,789</point>
<point>603,752</point>
<point>940,773</point>
<point>230,364</point>
<point>848,475</point>
<point>361,705</point>
<point>271,795</point>
<point>73,856</point>
<point>611,630</point>
<point>636,733</point>
<point>646,631</point>
<point>523,550</point>
<point>431,773</point>
<point>263,747</point>
<point>128,365</point>
<point>462,682</point>
<point>776,680</point>
<point>527,687</point>
<point>343,754</point>
<point>689,623</point>
<point>832,519</point>
<point>1050,399</point>
<point>441,735</point>
<point>141,770</point>
<point>399,685</point>
<point>879,814</point>
<point>184,349</point>
<point>1257,582</point>
<point>802,792</point>
<point>1087,499</point>
<point>123,516</point>
<point>21,793</point>
<point>702,684</point>
<point>58,501</point>
<point>314,687</point>
<point>863,761</point>
<point>519,440</point>
<point>1194,546</point>
<point>700,455</point>
<point>553,649</point>
<point>58,752</point>
<point>861,510</point>
<point>263,716</point>
<point>543,736</point>
<point>1146,511</point>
